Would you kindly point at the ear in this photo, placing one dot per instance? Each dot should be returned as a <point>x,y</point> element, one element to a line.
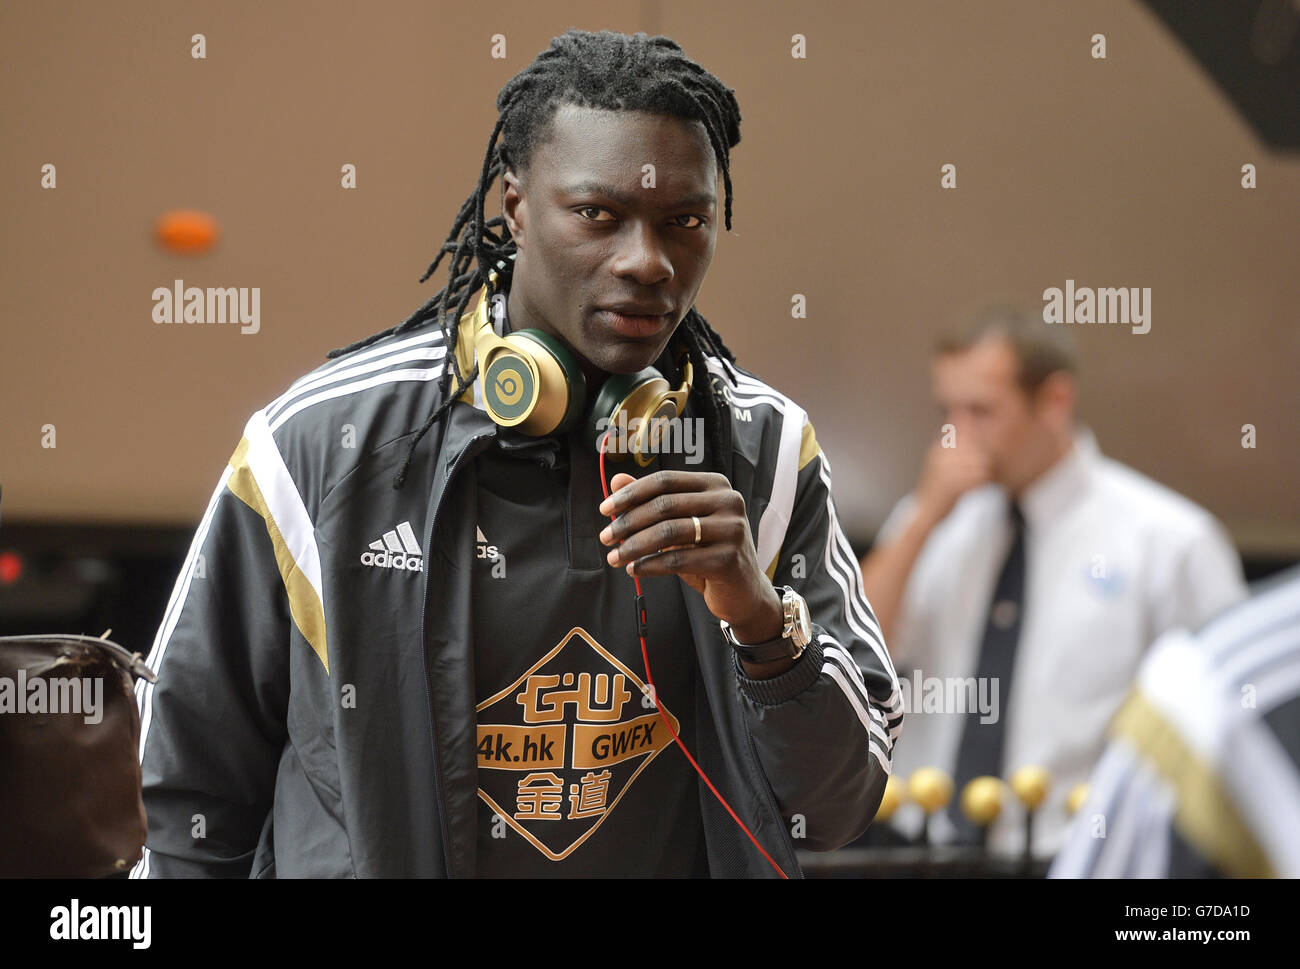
<point>513,205</point>
<point>1057,398</point>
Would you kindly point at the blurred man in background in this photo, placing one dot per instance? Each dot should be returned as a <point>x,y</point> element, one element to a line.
<point>1025,557</point>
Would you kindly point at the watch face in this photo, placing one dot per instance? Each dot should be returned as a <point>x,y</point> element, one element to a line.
<point>802,624</point>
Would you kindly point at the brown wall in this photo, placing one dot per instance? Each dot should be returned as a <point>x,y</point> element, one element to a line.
<point>1118,172</point>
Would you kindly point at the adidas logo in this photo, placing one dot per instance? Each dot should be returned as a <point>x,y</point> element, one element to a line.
<point>398,549</point>
<point>486,551</point>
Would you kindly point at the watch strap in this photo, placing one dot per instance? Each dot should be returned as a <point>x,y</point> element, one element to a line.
<point>782,647</point>
<point>785,686</point>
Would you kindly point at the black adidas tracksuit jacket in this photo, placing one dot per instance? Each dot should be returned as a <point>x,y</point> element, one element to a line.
<point>311,708</point>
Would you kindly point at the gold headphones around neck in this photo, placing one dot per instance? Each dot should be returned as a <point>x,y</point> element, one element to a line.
<point>532,382</point>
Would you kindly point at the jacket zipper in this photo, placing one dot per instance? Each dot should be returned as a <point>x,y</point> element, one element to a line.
<point>424,652</point>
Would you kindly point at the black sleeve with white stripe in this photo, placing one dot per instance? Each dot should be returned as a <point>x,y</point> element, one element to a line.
<point>213,727</point>
<point>825,729</point>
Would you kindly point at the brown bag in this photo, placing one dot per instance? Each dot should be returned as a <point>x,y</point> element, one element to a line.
<point>70,804</point>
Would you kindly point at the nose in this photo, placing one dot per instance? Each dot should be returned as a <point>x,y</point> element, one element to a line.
<point>642,256</point>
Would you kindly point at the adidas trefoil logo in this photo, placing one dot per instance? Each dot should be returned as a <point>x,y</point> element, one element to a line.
<point>398,549</point>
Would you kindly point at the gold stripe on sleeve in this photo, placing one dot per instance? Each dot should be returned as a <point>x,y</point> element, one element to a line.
<point>808,448</point>
<point>1204,813</point>
<point>304,603</point>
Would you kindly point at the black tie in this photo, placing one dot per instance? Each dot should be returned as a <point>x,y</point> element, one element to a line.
<point>981,743</point>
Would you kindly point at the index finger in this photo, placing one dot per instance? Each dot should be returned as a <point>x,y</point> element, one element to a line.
<point>643,489</point>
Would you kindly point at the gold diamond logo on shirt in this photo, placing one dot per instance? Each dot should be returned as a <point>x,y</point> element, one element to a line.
<point>560,747</point>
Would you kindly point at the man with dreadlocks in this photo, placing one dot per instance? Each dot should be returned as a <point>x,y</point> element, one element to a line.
<point>449,653</point>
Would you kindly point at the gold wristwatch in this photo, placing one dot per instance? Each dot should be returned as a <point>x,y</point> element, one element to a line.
<point>796,632</point>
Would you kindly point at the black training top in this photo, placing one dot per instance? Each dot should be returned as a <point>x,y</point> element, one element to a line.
<point>578,774</point>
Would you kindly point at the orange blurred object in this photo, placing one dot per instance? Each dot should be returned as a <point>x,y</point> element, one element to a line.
<point>186,230</point>
<point>11,567</point>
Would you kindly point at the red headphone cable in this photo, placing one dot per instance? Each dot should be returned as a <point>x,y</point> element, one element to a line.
<point>641,626</point>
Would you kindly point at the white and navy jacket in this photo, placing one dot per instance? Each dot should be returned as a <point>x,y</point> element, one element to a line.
<point>313,716</point>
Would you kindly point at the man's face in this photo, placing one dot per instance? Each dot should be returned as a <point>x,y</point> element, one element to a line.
<point>596,228</point>
<point>977,393</point>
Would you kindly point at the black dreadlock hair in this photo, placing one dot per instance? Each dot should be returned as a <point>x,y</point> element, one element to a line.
<point>604,70</point>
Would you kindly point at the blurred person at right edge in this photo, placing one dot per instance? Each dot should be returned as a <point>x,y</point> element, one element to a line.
<point>1021,581</point>
<point>1202,775</point>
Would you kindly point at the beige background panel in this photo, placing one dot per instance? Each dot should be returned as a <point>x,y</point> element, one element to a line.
<point>1122,172</point>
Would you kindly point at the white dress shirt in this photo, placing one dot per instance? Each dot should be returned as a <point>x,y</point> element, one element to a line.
<point>1113,559</point>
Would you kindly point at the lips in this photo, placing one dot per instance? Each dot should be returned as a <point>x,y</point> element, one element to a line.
<point>635,321</point>
<point>638,309</point>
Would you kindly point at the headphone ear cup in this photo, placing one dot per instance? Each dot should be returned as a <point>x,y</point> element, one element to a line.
<point>617,388</point>
<point>566,396</point>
